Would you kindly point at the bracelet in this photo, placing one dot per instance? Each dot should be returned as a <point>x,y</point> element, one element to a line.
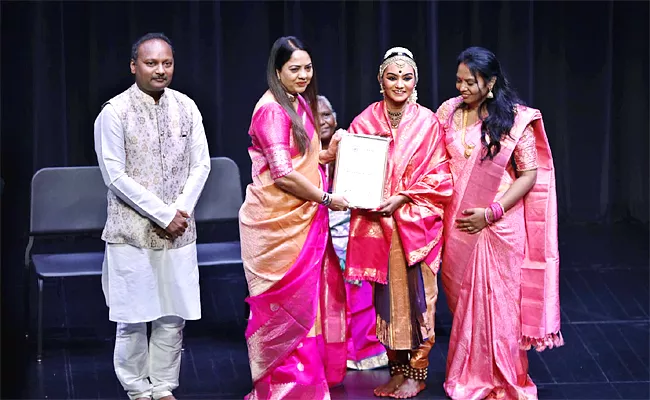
<point>326,200</point>
<point>497,212</point>
<point>487,218</point>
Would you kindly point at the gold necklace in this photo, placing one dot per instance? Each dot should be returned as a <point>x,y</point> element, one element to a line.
<point>468,147</point>
<point>395,117</point>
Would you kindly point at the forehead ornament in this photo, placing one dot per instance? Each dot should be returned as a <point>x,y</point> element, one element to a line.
<point>401,57</point>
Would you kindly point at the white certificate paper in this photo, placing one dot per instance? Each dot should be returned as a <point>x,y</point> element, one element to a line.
<point>361,169</point>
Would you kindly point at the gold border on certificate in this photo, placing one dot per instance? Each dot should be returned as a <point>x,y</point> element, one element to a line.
<point>360,171</point>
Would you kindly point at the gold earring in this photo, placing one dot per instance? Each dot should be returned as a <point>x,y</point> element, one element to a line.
<point>413,98</point>
<point>490,95</point>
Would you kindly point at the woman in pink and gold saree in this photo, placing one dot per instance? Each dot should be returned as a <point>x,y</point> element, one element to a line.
<point>296,330</point>
<point>500,260</point>
<point>398,245</point>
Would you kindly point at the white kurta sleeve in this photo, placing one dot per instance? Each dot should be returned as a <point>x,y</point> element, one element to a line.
<point>111,156</point>
<point>199,166</point>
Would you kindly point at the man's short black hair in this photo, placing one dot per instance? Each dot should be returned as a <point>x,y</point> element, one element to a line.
<point>147,37</point>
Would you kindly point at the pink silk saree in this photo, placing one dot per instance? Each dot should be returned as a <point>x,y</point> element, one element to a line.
<point>502,283</point>
<point>417,168</point>
<point>296,333</point>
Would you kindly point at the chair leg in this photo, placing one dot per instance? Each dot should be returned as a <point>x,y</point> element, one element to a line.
<point>27,302</point>
<point>39,355</point>
<point>27,288</point>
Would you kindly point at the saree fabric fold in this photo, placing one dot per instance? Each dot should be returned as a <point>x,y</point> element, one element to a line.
<point>502,283</point>
<point>296,334</point>
<point>417,168</point>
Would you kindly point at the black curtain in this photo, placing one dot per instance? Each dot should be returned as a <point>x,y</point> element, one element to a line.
<point>583,64</point>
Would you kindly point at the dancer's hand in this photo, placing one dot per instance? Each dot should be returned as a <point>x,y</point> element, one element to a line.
<point>474,222</point>
<point>388,207</point>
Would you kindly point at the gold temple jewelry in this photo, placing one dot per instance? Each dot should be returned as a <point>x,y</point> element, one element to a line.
<point>470,147</point>
<point>395,117</point>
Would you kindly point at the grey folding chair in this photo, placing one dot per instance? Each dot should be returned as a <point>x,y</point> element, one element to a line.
<point>73,201</point>
<point>220,201</point>
<point>64,200</point>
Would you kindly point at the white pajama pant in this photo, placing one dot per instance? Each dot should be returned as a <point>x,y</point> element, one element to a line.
<point>149,369</point>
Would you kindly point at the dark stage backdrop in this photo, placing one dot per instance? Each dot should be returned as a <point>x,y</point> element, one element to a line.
<point>583,64</point>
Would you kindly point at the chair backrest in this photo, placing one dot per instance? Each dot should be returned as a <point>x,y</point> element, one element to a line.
<point>222,195</point>
<point>68,200</point>
<point>73,199</point>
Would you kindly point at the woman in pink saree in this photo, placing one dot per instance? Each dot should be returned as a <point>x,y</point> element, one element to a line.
<point>296,331</point>
<point>500,261</point>
<point>398,246</point>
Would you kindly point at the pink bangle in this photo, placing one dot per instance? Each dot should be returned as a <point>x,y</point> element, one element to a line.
<point>503,210</point>
<point>497,211</point>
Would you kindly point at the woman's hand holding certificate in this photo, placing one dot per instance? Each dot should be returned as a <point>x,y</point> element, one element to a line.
<point>329,155</point>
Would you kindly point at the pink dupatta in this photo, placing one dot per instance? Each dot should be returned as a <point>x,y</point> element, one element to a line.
<point>418,168</point>
<point>540,302</point>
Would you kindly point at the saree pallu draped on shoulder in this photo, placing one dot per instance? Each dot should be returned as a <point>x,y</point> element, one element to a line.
<point>296,333</point>
<point>477,187</point>
<point>417,168</point>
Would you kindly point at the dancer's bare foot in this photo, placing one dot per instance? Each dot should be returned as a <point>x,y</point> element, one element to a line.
<point>389,387</point>
<point>170,397</point>
<point>497,393</point>
<point>409,388</point>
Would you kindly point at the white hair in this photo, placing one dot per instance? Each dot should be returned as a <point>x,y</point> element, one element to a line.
<point>327,103</point>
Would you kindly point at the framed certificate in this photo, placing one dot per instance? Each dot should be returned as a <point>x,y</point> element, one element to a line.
<point>360,169</point>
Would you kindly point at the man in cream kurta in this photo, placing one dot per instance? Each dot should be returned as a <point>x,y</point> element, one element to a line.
<point>153,155</point>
